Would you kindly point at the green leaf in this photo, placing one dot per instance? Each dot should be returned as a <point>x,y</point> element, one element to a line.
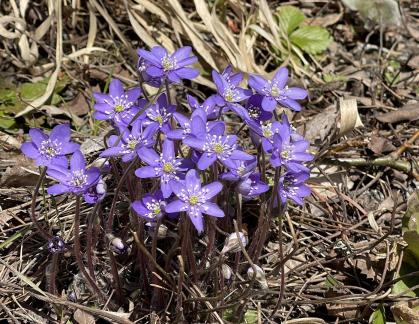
<point>332,282</point>
<point>289,18</point>
<point>311,39</point>
<point>379,316</point>
<point>251,316</point>
<point>6,122</point>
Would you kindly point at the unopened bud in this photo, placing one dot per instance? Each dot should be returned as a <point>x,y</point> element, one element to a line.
<point>118,246</point>
<point>72,297</point>
<point>232,242</point>
<point>260,276</point>
<point>227,272</point>
<point>56,245</point>
<point>162,231</point>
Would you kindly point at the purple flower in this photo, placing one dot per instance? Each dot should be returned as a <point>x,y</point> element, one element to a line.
<point>287,152</point>
<point>56,245</point>
<point>264,133</point>
<point>95,193</point>
<point>194,199</point>
<point>48,150</point>
<point>292,186</point>
<point>196,126</point>
<point>255,111</point>
<point>131,141</point>
<point>216,146</point>
<point>209,105</point>
<point>252,186</point>
<point>118,105</point>
<point>239,169</point>
<point>159,114</point>
<point>276,91</point>
<point>229,93</point>
<point>160,64</point>
<point>164,166</point>
<point>150,207</point>
<point>142,66</point>
<point>77,180</point>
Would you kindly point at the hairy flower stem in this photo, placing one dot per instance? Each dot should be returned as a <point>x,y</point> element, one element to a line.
<point>52,274</point>
<point>89,239</point>
<point>41,231</point>
<point>78,254</point>
<point>121,182</point>
<point>169,99</point>
<point>156,298</point>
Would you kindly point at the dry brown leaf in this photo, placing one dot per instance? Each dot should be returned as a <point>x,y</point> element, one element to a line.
<point>321,126</point>
<point>202,47</point>
<point>78,106</point>
<point>409,112</point>
<point>82,317</point>
<point>406,312</point>
<point>16,175</point>
<point>9,141</point>
<point>380,145</point>
<point>325,21</point>
<point>348,116</point>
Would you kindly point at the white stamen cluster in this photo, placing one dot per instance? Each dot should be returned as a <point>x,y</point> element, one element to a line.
<point>254,112</point>
<point>131,144</point>
<point>78,178</point>
<point>230,94</point>
<point>168,169</point>
<point>50,148</point>
<point>219,145</point>
<point>155,208</point>
<point>159,115</point>
<point>272,89</point>
<point>120,103</point>
<point>168,63</point>
<point>194,198</point>
<point>267,131</point>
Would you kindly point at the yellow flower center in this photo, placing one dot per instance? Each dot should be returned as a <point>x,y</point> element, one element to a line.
<point>157,210</point>
<point>285,154</point>
<point>167,63</point>
<point>267,132</point>
<point>275,91</point>
<point>218,148</point>
<point>159,119</point>
<point>193,200</point>
<point>132,144</point>
<point>167,167</point>
<point>119,108</point>
<point>228,95</point>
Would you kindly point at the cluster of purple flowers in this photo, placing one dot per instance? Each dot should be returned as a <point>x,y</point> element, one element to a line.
<point>177,150</point>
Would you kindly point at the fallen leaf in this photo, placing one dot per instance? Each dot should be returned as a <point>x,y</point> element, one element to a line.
<point>321,126</point>
<point>325,21</point>
<point>406,312</point>
<point>82,317</point>
<point>17,176</point>
<point>79,106</point>
<point>380,145</point>
<point>349,117</point>
<point>409,112</point>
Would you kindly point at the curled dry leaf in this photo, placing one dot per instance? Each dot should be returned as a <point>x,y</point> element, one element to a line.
<point>348,116</point>
<point>409,112</point>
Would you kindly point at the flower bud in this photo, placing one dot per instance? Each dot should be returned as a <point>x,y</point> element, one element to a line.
<point>226,271</point>
<point>118,246</point>
<point>232,242</point>
<point>72,297</point>
<point>56,245</point>
<point>162,231</point>
<point>260,276</point>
